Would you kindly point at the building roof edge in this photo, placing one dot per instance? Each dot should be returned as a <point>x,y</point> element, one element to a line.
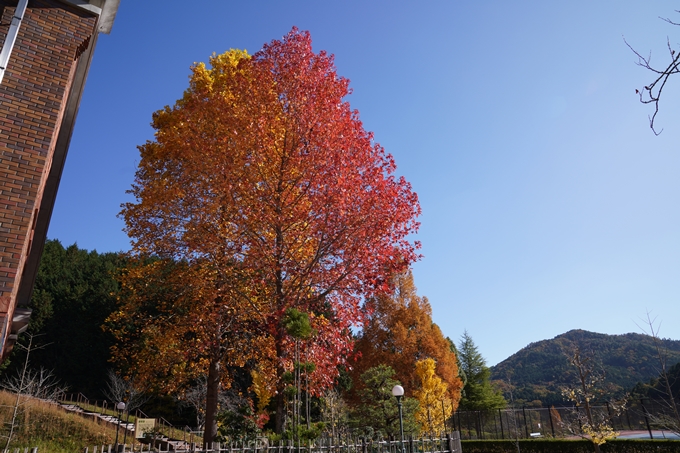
<point>105,9</point>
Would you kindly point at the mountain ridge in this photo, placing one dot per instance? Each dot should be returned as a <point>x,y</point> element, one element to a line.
<point>537,372</point>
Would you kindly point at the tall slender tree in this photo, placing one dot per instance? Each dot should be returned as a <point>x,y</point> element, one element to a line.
<point>399,333</point>
<point>434,403</point>
<point>264,175</point>
<point>478,393</point>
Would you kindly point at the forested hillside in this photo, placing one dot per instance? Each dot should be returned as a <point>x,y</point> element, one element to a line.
<point>74,292</point>
<point>537,372</point>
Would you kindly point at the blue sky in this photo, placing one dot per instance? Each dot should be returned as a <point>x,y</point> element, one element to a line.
<point>548,204</point>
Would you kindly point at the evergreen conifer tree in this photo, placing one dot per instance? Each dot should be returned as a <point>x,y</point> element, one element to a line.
<point>478,393</point>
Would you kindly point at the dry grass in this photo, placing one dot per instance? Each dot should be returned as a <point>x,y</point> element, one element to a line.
<point>50,428</point>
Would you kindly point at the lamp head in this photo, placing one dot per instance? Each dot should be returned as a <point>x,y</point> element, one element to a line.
<point>120,406</point>
<point>398,391</point>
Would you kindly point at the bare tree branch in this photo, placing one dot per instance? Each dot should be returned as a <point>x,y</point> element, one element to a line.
<point>586,421</point>
<point>132,393</point>
<point>666,19</point>
<point>40,384</point>
<point>195,396</point>
<point>670,422</point>
<point>29,383</point>
<point>652,93</point>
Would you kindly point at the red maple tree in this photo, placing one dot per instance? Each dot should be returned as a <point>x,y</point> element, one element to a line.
<point>264,171</point>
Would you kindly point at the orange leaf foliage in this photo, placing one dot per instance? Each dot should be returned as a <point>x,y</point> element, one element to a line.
<point>400,333</point>
<point>171,323</point>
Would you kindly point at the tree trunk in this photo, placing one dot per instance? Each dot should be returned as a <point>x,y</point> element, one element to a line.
<point>589,416</point>
<point>214,377</point>
<point>280,412</point>
<point>279,419</point>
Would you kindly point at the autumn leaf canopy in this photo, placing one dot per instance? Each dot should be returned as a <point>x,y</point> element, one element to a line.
<point>263,176</point>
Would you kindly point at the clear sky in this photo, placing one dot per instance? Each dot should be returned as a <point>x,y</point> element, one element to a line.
<point>548,204</point>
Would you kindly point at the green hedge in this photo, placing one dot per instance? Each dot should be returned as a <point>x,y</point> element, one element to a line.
<point>570,446</point>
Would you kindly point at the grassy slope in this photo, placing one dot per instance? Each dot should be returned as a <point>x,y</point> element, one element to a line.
<point>50,428</point>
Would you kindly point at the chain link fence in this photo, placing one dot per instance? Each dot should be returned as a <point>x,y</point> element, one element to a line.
<point>531,422</point>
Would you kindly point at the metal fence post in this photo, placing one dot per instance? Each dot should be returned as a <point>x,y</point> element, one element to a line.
<point>609,411</point>
<point>495,426</point>
<point>467,416</point>
<point>480,423</point>
<point>649,428</point>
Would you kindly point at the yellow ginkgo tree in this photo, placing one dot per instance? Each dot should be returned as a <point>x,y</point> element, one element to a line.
<point>434,403</point>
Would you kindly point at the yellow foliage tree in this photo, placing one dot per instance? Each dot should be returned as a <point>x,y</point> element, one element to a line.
<point>435,405</point>
<point>264,386</point>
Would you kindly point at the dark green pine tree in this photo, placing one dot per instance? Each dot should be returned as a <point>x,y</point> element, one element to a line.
<point>377,413</point>
<point>478,393</point>
<point>75,291</point>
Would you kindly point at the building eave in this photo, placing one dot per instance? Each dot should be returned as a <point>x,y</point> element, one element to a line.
<point>105,9</point>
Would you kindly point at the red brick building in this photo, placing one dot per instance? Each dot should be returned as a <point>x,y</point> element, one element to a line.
<point>47,47</point>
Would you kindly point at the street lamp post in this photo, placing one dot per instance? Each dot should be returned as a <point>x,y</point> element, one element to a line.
<point>398,392</point>
<point>120,407</point>
<point>127,423</point>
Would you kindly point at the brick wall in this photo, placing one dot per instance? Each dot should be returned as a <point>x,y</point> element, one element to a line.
<point>33,100</point>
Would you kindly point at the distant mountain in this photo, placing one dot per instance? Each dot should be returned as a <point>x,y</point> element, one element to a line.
<point>538,371</point>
